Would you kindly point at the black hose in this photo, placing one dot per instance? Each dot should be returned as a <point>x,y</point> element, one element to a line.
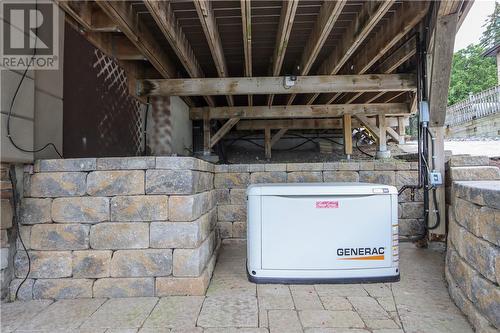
<point>15,198</point>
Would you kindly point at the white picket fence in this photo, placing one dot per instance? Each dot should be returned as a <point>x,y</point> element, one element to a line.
<point>480,105</point>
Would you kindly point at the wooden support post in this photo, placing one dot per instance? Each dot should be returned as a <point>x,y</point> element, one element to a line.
<point>206,132</point>
<point>438,133</point>
<point>401,129</point>
<point>382,151</point>
<point>267,144</point>
<point>347,124</point>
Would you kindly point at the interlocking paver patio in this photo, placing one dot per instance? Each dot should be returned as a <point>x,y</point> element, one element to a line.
<point>419,303</point>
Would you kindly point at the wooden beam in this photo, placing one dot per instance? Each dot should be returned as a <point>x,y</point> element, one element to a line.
<point>328,15</point>
<point>260,124</point>
<point>267,142</point>
<point>123,49</point>
<point>223,131</point>
<point>393,134</point>
<point>123,14</point>
<point>367,123</point>
<point>358,29</point>
<point>278,135</point>
<point>300,111</point>
<point>444,40</point>
<point>409,14</point>
<point>287,17</point>
<point>206,132</point>
<point>165,19</point>
<point>347,127</point>
<point>246,23</point>
<point>263,85</point>
<point>209,25</point>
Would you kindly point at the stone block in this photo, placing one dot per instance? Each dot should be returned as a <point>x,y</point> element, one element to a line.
<point>185,286</point>
<point>466,214</point>
<point>385,165</point>
<point>474,173</point>
<point>348,166</point>
<point>139,208</point>
<point>35,210</point>
<point>62,288</point>
<point>6,214</point>
<point>240,229</point>
<point>467,160</point>
<point>222,196</point>
<point>257,168</point>
<point>275,167</point>
<point>238,168</point>
<point>4,239</point>
<point>182,234</point>
<point>126,163</point>
<point>239,196</point>
<point>4,258</point>
<point>411,210</point>
<point>180,163</point>
<point>124,287</point>
<point>268,177</point>
<point>119,182</point>
<point>221,168</point>
<point>403,165</point>
<point>486,296</point>
<point>171,181</point>
<point>378,177</point>
<point>25,235</point>
<point>141,263</point>
<point>65,165</point>
<point>25,293</point>
<point>462,272</point>
<point>331,166</point>
<point>59,237</point>
<point>115,236</point>
<point>305,177</point>
<point>406,178</point>
<point>80,210</point>
<point>57,184</point>
<point>366,165</point>
<point>304,167</point>
<point>231,180</point>
<point>190,207</point>
<point>91,264</point>
<point>225,229</point>
<point>192,262</point>
<point>231,213</point>
<point>481,255</point>
<point>411,227</point>
<point>44,264</point>
<point>340,176</point>
<point>484,193</point>
<point>488,221</point>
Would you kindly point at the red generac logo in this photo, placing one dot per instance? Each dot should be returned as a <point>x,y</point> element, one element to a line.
<point>327,204</point>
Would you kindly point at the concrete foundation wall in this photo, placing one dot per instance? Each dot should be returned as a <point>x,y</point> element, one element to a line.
<point>231,182</point>
<point>117,227</point>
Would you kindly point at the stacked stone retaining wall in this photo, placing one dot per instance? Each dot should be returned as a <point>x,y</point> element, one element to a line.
<point>473,255</point>
<point>117,227</point>
<point>231,181</point>
<point>7,232</point>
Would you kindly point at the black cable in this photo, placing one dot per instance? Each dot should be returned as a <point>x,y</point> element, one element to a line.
<point>146,127</point>
<point>15,198</point>
<point>9,135</point>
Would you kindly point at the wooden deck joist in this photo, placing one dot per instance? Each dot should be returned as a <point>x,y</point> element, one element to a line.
<point>299,111</point>
<point>287,17</point>
<point>275,85</point>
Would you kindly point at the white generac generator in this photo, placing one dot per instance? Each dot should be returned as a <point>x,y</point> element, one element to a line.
<point>322,233</point>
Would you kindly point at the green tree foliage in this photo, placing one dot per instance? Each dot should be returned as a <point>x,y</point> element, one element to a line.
<point>491,36</point>
<point>471,73</point>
